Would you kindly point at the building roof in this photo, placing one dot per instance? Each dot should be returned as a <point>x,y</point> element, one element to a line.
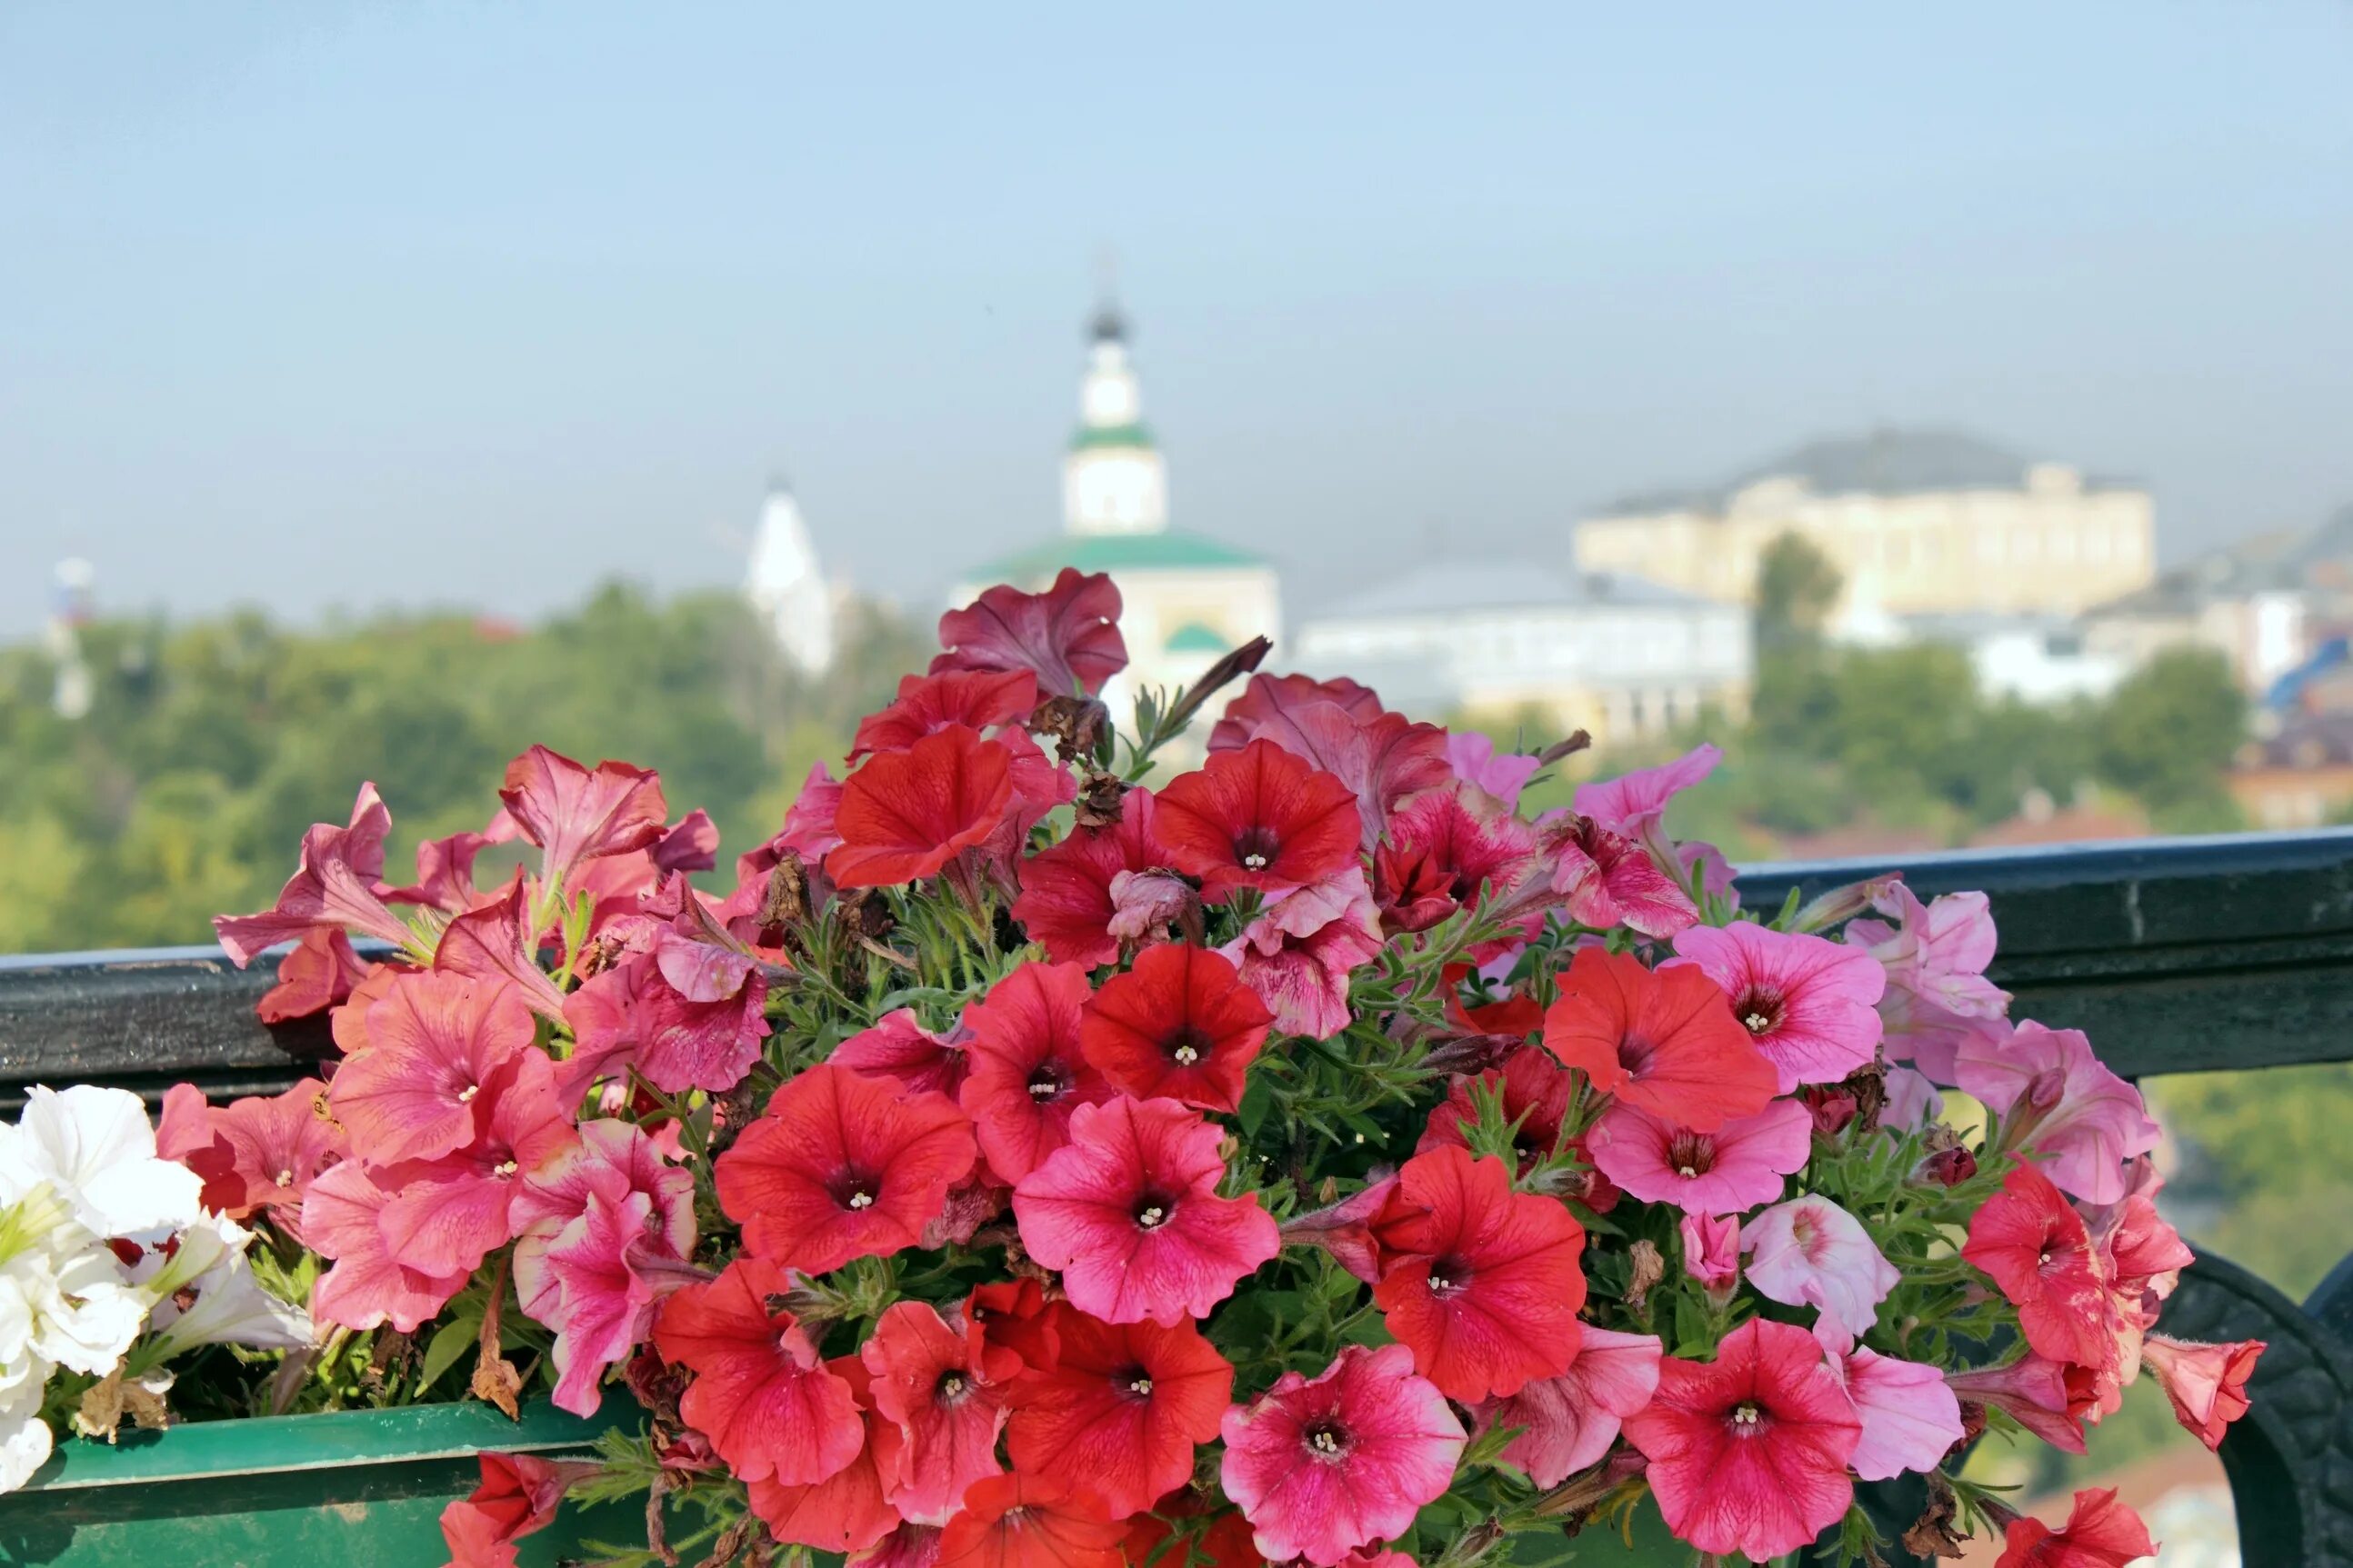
<point>1088,437</point>
<point>1195,637</point>
<point>1167,550</point>
<point>1502,584</point>
<point>2267,563</point>
<point>1887,461</point>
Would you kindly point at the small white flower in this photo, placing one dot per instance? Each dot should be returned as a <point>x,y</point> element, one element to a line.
<point>96,1147</point>
<point>25,1443</point>
<point>230,1306</point>
<point>85,1315</point>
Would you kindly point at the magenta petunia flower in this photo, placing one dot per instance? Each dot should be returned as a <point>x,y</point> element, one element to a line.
<point>1810,1005</point>
<point>433,1041</point>
<point>943,1391</point>
<point>1733,1169</point>
<point>1129,1212</point>
<point>335,887</point>
<point>1605,879</point>
<point>574,814</point>
<point>1298,954</point>
<point>1322,1468</point>
<point>1067,636</point>
<point>1910,1417</point>
<point>1633,805</point>
<point>1571,1419</point>
<point>1028,1072</point>
<point>841,1166</point>
<point>1712,1251</point>
<point>1474,759</point>
<point>635,1015</point>
<point>2056,1101</point>
<point>1810,1252</point>
<point>1748,1453</point>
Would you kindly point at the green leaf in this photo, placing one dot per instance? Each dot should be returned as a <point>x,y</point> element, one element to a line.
<point>449,1342</point>
<point>1257,1100</point>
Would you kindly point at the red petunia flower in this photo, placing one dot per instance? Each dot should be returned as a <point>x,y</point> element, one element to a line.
<point>1029,1071</point>
<point>576,814</point>
<point>942,1390</point>
<point>1223,1542</point>
<point>518,1495</point>
<point>1484,1287</point>
<point>2207,1384</point>
<point>1443,845</point>
<point>1748,1453</point>
<point>1535,1094</point>
<point>1013,1313</point>
<point>1067,901</point>
<point>979,699</point>
<point>1258,817</point>
<point>1022,1521</point>
<point>1067,636</point>
<point>2039,1252</point>
<point>1124,1404</point>
<point>1664,1041</point>
<point>898,1045</point>
<point>1268,702</point>
<point>846,1511</point>
<point>433,1040</point>
<point>1129,1212</point>
<point>1180,1024</point>
<point>257,1155</point>
<point>316,974</point>
<point>904,814</point>
<point>761,1392</point>
<point>1382,758</point>
<point>334,887</point>
<point>2100,1532</point>
<point>840,1167</point>
<point>1322,1468</point>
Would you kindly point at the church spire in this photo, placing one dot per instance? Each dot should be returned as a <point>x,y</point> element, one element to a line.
<point>1112,479</point>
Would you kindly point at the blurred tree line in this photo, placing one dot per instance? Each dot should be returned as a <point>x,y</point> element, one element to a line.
<point>210,745</point>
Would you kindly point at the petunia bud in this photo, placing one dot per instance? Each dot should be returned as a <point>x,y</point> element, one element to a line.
<point>1945,1168</point>
<point>1832,1108</point>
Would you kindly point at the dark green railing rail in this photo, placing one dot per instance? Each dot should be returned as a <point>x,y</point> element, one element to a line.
<point>2177,955</point>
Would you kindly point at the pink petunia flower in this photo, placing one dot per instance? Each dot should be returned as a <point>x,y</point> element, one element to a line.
<point>367,1287</point>
<point>899,1046</point>
<point>769,1406</point>
<point>1911,1418</point>
<point>450,1212</point>
<point>1268,702</point>
<point>1443,845</point>
<point>335,887</point>
<point>1935,955</point>
<point>2207,1384</point>
<point>1634,806</point>
<point>1322,1468</point>
<point>497,943</point>
<point>1129,1213</point>
<point>942,1390</point>
<point>1733,1169</point>
<point>1345,1229</point>
<point>1571,1419</point>
<point>634,1016</point>
<point>1712,1252</point>
<point>1028,1072</point>
<point>257,1155</point>
<point>2032,1391</point>
<point>1474,760</point>
<point>1300,966</point>
<point>1810,1005</point>
<point>433,1041</point>
<point>1067,636</point>
<point>574,814</point>
<point>2057,1101</point>
<point>1750,1453</point>
<point>1482,1282</point>
<point>1810,1252</point>
<point>841,1166</point>
<point>316,974</point>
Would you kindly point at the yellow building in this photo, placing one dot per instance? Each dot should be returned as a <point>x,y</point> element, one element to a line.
<point>1918,522</point>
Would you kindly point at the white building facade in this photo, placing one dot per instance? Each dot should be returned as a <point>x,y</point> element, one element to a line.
<point>785,583</point>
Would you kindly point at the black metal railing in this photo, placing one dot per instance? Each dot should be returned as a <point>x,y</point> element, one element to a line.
<point>2177,955</point>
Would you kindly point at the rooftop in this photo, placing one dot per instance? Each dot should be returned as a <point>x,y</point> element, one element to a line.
<point>1883,462</point>
<point>1502,585</point>
<point>1168,550</point>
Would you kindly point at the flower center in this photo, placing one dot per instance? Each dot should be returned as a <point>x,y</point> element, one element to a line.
<point>1137,1381</point>
<point>1634,1052</point>
<point>503,1169</point>
<point>861,1199</point>
<point>855,1191</point>
<point>1256,848</point>
<point>1449,1277</point>
<point>1746,1419</point>
<point>1327,1440</point>
<point>953,1386</point>
<point>1759,1012</point>
<point>1187,1045</point>
<point>285,1178</point>
<point>1045,1084</point>
<point>468,1093</point>
<point>1690,1153</point>
<point>1152,1211</point>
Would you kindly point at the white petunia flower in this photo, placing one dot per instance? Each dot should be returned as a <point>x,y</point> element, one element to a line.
<point>230,1306</point>
<point>96,1147</point>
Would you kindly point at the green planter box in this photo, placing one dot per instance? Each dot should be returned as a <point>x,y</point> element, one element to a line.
<point>354,1488</point>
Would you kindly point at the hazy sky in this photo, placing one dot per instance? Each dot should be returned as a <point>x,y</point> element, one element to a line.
<point>320,305</point>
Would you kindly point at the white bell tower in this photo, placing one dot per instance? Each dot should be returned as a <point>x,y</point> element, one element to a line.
<point>785,585</point>
<point>1114,481</point>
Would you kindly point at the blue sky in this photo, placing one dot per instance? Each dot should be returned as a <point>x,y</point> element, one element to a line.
<point>322,306</point>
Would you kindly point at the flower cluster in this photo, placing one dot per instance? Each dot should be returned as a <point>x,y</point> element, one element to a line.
<point>1041,1154</point>
<point>109,1269</point>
